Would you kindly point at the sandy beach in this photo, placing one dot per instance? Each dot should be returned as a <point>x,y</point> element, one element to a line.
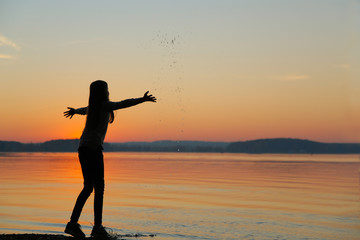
<point>34,237</point>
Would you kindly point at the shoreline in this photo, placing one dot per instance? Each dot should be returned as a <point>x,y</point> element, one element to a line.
<point>44,236</point>
<point>34,236</point>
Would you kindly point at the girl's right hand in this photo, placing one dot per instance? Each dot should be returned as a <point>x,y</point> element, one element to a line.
<point>149,98</point>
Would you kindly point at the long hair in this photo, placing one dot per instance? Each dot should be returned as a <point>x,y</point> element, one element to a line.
<point>98,94</point>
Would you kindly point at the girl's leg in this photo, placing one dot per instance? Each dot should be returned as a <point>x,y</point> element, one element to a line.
<point>80,202</point>
<point>98,230</point>
<point>99,186</point>
<point>87,168</point>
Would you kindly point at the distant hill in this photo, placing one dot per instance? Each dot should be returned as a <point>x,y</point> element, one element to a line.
<point>68,145</point>
<point>71,145</point>
<point>167,146</point>
<point>289,145</point>
<point>277,145</point>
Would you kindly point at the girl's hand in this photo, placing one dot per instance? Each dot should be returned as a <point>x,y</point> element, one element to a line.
<point>70,113</point>
<point>149,98</point>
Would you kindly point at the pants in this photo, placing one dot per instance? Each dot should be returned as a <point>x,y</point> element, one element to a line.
<point>92,166</point>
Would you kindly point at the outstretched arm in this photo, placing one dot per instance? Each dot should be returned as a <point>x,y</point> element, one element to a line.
<point>70,113</point>
<point>131,102</point>
<point>149,98</point>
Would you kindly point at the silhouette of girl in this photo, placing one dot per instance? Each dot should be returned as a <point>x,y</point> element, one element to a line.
<point>100,112</point>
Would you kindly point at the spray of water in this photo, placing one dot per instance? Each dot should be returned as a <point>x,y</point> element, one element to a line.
<point>170,76</point>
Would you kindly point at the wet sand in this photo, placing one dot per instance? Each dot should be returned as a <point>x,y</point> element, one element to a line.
<point>34,237</point>
<point>31,236</point>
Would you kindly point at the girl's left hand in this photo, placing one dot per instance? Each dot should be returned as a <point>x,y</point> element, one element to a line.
<point>70,113</point>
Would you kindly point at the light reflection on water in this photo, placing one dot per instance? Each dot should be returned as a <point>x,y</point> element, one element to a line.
<point>188,195</point>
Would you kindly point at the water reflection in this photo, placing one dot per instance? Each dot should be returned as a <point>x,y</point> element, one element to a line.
<point>189,196</point>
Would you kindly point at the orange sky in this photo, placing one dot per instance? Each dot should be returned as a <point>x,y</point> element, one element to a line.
<point>221,70</point>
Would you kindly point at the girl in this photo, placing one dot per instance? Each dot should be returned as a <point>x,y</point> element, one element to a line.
<point>100,112</point>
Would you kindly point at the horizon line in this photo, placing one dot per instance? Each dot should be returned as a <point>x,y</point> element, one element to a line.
<point>164,140</point>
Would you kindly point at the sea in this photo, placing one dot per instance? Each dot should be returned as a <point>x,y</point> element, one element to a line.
<point>177,196</point>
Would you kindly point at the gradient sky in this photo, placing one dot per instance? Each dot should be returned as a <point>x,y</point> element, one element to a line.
<point>221,70</point>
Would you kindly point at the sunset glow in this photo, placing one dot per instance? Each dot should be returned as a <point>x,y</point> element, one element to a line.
<point>221,70</point>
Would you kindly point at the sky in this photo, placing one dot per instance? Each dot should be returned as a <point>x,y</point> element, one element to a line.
<point>221,70</point>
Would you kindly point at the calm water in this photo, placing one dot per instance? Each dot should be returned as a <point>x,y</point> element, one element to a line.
<point>189,196</point>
